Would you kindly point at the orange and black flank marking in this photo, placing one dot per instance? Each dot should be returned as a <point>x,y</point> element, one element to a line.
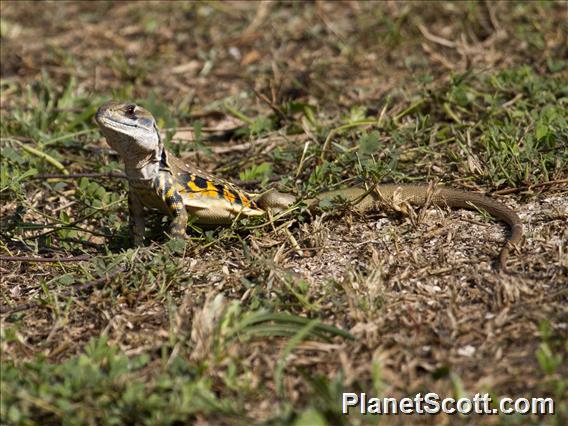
<point>220,190</point>
<point>203,186</point>
<point>229,195</point>
<point>185,179</point>
<point>199,181</point>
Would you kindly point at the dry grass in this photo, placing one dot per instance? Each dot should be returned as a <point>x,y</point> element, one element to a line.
<point>426,308</point>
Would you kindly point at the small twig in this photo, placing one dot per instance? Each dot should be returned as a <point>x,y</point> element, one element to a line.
<point>271,104</point>
<point>302,159</point>
<point>434,38</point>
<point>33,108</point>
<point>17,308</point>
<point>247,146</point>
<point>511,101</point>
<point>44,259</point>
<point>232,111</point>
<point>275,139</point>
<point>261,15</point>
<point>536,185</point>
<point>68,136</point>
<point>109,175</point>
<point>451,113</point>
<point>95,283</point>
<point>254,182</point>
<point>405,112</point>
<point>40,154</point>
<point>83,287</point>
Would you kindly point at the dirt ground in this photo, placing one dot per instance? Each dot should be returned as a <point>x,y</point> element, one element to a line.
<point>419,292</point>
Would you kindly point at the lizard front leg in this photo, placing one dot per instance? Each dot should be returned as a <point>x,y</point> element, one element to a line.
<point>136,220</point>
<point>174,203</point>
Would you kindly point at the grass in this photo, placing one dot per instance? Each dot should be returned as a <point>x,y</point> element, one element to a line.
<point>270,322</point>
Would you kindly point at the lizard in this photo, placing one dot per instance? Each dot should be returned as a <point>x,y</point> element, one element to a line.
<point>160,181</point>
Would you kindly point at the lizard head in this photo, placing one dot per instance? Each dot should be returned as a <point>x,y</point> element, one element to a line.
<point>129,129</point>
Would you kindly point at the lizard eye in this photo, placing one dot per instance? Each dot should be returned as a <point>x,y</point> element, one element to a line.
<point>129,109</point>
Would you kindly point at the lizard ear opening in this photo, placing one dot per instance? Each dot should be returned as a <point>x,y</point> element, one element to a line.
<point>163,157</point>
<point>160,144</point>
<point>157,133</point>
<point>161,151</point>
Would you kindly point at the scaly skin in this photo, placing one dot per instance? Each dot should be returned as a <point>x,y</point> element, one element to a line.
<point>160,181</point>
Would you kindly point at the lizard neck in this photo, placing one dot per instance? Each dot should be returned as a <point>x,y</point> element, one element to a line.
<point>146,168</point>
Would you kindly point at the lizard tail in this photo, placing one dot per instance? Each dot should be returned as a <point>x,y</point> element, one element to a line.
<point>441,196</point>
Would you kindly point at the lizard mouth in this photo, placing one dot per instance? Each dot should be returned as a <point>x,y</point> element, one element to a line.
<point>114,123</point>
